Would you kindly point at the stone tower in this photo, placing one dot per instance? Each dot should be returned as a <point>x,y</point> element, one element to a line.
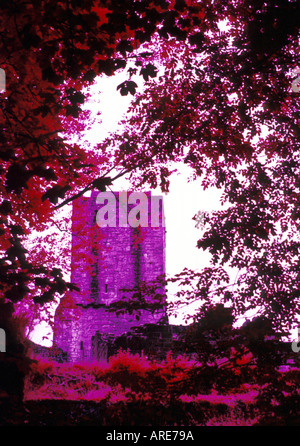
<point>118,243</point>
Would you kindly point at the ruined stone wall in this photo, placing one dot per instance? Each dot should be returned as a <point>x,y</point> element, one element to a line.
<point>154,341</point>
<point>77,333</point>
<point>106,260</point>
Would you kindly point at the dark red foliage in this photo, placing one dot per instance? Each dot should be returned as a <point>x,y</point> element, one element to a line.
<point>49,52</point>
<point>205,110</point>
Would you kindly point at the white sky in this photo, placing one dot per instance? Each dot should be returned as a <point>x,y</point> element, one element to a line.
<point>184,199</point>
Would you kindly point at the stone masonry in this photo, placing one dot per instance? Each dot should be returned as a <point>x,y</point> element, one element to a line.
<point>107,260</point>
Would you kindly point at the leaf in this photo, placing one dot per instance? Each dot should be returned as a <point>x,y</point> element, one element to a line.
<point>77,97</point>
<point>17,177</point>
<point>55,192</point>
<point>149,71</point>
<point>46,173</point>
<point>127,86</point>
<point>16,252</point>
<point>17,230</point>
<point>146,54</point>
<point>124,46</point>
<point>42,281</point>
<point>101,183</point>
<point>17,292</point>
<point>89,76</point>
<point>196,39</point>
<point>5,207</point>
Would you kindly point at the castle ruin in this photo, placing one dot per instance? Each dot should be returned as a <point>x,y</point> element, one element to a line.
<point>118,243</point>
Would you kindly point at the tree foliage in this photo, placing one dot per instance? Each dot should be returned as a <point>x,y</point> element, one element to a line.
<point>206,109</point>
<point>224,105</point>
<point>51,50</point>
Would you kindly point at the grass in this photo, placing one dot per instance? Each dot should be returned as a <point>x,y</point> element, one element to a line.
<point>91,382</point>
<point>139,389</point>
